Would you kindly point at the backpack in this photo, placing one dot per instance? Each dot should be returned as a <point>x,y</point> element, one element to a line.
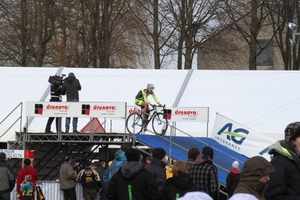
<point>39,193</point>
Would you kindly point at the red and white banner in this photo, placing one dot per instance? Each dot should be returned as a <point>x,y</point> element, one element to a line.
<point>76,109</point>
<point>240,138</point>
<point>184,114</point>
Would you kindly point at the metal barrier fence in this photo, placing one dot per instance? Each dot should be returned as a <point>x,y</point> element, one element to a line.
<point>52,191</point>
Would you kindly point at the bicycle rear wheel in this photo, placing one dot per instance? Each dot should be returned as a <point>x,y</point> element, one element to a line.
<point>159,124</point>
<point>134,123</point>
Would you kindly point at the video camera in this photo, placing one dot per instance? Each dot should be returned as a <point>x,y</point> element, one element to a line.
<point>56,80</point>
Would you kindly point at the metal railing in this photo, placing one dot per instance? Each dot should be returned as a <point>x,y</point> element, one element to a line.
<point>18,119</point>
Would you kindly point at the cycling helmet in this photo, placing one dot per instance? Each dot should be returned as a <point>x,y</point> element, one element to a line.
<point>150,86</point>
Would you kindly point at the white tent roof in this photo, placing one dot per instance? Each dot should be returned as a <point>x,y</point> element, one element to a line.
<point>265,101</point>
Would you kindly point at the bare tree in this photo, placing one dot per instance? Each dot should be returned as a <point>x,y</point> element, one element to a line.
<point>32,25</point>
<point>249,18</point>
<point>283,12</point>
<point>152,18</point>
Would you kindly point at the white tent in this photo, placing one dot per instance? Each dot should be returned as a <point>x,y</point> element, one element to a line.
<point>265,101</point>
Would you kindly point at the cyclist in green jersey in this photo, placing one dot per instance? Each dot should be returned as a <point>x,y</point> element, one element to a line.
<point>141,99</point>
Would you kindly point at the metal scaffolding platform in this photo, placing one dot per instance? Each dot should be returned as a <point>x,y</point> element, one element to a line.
<point>50,149</point>
<point>90,138</point>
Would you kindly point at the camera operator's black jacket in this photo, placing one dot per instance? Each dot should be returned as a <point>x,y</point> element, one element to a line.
<point>55,92</point>
<point>70,87</point>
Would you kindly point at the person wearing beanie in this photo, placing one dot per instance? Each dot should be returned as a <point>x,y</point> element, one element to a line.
<point>132,181</point>
<point>233,178</point>
<point>90,181</point>
<point>285,181</point>
<point>27,169</point>
<point>179,184</point>
<point>205,174</point>
<point>254,177</point>
<point>7,178</point>
<point>192,155</point>
<point>158,153</point>
<point>157,167</point>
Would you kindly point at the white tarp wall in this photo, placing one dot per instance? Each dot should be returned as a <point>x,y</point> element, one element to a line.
<point>264,101</point>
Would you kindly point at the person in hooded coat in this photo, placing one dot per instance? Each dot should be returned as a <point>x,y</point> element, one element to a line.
<point>285,181</point>
<point>70,87</point>
<point>179,184</point>
<point>115,165</point>
<point>132,181</point>
<point>254,177</point>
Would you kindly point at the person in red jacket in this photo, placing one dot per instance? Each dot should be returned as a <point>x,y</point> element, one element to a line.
<point>26,170</point>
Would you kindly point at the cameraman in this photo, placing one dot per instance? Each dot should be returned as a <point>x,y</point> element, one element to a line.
<point>56,93</point>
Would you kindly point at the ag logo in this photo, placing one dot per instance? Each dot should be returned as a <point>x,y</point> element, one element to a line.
<point>234,135</point>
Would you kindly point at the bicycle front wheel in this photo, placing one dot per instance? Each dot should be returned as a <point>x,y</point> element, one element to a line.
<point>159,124</point>
<point>134,123</point>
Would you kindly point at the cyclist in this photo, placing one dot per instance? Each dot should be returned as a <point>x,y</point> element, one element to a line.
<point>142,100</point>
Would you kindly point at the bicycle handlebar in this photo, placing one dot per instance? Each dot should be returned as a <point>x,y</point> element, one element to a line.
<point>155,106</point>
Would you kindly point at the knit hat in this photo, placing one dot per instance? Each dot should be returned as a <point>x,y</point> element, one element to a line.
<point>243,196</point>
<point>158,153</point>
<point>193,153</point>
<point>88,163</point>
<point>71,74</point>
<point>133,155</point>
<point>27,161</point>
<point>235,164</point>
<point>207,151</point>
<point>195,196</point>
<point>290,132</point>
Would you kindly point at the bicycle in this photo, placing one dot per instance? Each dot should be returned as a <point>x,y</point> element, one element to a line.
<point>134,122</point>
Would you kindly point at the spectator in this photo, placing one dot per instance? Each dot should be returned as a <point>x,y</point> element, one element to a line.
<point>27,188</point>
<point>192,155</point>
<point>285,181</point>
<point>169,172</point>
<point>179,184</point>
<point>157,167</point>
<point>26,170</point>
<point>100,168</point>
<point>132,181</point>
<point>55,97</point>
<point>116,164</point>
<point>254,177</point>
<point>67,178</point>
<point>90,180</point>
<point>195,196</point>
<point>7,178</point>
<point>148,160</point>
<point>233,178</point>
<point>205,174</point>
<point>70,87</point>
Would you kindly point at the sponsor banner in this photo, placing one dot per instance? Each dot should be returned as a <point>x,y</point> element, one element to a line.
<point>11,153</point>
<point>132,109</point>
<point>190,114</point>
<point>240,138</point>
<point>76,109</point>
<point>185,114</point>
